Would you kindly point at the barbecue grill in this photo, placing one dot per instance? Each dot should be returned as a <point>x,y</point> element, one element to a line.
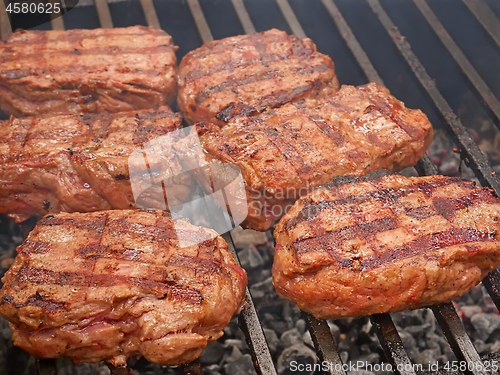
<point>439,56</point>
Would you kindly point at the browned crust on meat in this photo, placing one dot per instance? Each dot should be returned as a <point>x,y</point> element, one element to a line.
<point>78,71</point>
<point>386,244</point>
<point>285,152</point>
<point>247,74</point>
<point>125,273</point>
<point>78,162</point>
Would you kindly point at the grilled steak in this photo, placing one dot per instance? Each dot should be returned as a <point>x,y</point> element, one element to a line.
<point>113,284</point>
<point>245,75</point>
<point>386,244</point>
<point>78,71</point>
<point>284,153</point>
<point>81,162</point>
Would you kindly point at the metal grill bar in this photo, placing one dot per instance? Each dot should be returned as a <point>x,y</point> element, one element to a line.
<point>150,13</point>
<point>486,17</point>
<point>454,331</point>
<point>492,285</point>
<point>477,160</point>
<point>459,57</point>
<point>104,14</point>
<point>200,21</point>
<point>445,314</point>
<point>243,16</point>
<point>353,44</point>
<point>325,344</point>
<point>291,18</point>
<point>5,28</point>
<point>56,21</point>
<point>251,327</point>
<point>392,343</point>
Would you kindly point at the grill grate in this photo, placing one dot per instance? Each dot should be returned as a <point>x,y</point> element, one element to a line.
<point>445,314</point>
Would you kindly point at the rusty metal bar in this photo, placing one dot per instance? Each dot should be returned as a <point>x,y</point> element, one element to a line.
<point>353,44</point>
<point>104,14</point>
<point>475,158</point>
<point>243,16</point>
<point>200,21</point>
<point>46,366</point>
<point>291,18</point>
<point>150,13</point>
<point>56,20</point>
<point>486,17</point>
<point>392,344</point>
<point>459,57</point>
<point>250,325</point>
<point>193,368</point>
<point>492,285</point>
<point>325,345</point>
<point>454,330</point>
<point>5,27</point>
<point>425,167</point>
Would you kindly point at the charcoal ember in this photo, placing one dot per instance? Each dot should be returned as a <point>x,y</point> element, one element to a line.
<point>297,359</point>
<point>372,358</point>
<point>485,324</point>
<point>335,330</point>
<point>210,370</point>
<point>469,311</point>
<point>65,367</point>
<point>242,366</point>
<point>213,353</point>
<point>427,356</point>
<point>482,347</point>
<point>250,258</point>
<point>259,290</point>
<point>409,343</point>
<point>234,356</point>
<point>307,339</point>
<point>272,340</point>
<point>291,337</point>
<point>344,356</point>
<point>301,326</point>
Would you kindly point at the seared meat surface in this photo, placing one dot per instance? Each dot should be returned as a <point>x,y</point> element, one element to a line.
<point>113,284</point>
<point>78,71</point>
<point>285,152</point>
<point>81,162</point>
<point>247,74</point>
<point>386,244</point>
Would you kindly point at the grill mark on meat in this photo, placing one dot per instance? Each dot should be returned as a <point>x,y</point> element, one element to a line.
<point>448,206</point>
<point>337,236</point>
<point>34,247</point>
<point>167,287</point>
<point>420,212</point>
<point>289,153</point>
<point>230,83</point>
<point>234,110</point>
<point>332,133</point>
<point>431,242</point>
<point>116,50</point>
<point>230,66</point>
<point>311,210</point>
<point>45,303</point>
<point>282,97</point>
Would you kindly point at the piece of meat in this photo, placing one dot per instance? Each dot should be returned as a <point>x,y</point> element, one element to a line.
<point>81,162</point>
<point>113,284</point>
<point>386,244</point>
<point>286,152</point>
<point>77,71</point>
<point>247,74</point>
